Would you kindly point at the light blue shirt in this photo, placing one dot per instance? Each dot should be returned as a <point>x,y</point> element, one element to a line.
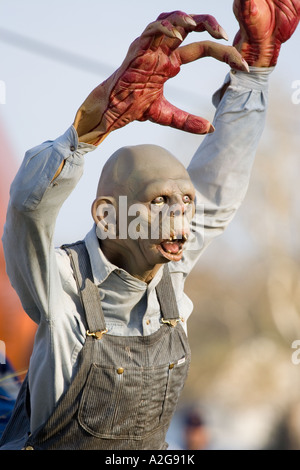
<point>42,276</point>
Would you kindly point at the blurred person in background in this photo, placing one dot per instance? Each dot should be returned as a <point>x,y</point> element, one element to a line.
<point>196,431</point>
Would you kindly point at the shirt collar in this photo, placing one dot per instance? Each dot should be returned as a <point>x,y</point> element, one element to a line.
<point>102,267</point>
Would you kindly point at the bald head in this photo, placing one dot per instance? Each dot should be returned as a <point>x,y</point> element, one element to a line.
<point>130,169</point>
<point>143,209</point>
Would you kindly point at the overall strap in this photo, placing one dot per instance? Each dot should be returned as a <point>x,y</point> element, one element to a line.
<point>89,293</point>
<point>167,299</point>
<point>91,299</point>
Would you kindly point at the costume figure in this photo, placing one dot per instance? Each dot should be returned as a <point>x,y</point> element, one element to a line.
<point>111,353</point>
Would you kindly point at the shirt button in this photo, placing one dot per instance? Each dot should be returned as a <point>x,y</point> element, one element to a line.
<point>29,448</point>
<point>120,370</point>
<point>72,148</point>
<point>148,322</point>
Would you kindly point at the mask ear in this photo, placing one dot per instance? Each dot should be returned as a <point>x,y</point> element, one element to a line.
<point>104,213</point>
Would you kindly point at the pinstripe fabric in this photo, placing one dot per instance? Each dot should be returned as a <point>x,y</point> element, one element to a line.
<point>88,291</point>
<point>126,388</point>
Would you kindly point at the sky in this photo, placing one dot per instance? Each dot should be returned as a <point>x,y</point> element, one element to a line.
<point>54,53</point>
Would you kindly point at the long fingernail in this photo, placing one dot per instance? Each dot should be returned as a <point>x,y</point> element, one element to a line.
<point>190,21</point>
<point>177,34</point>
<point>223,33</point>
<point>246,65</point>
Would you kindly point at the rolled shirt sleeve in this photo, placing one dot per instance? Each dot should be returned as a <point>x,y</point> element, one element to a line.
<point>35,200</point>
<point>221,167</point>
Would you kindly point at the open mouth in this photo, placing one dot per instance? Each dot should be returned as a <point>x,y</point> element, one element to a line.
<point>172,248</point>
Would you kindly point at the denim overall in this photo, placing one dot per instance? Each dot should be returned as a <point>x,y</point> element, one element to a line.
<point>125,389</point>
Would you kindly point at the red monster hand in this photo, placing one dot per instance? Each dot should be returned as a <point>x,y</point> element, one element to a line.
<point>264,26</point>
<point>135,90</point>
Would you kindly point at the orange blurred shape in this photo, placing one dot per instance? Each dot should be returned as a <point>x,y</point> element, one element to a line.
<point>17,330</point>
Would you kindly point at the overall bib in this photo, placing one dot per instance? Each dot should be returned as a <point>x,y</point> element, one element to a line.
<point>125,389</point>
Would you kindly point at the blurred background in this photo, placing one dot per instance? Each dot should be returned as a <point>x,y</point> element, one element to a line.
<point>244,382</point>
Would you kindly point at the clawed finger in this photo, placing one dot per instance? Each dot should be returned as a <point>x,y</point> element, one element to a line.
<point>179,18</point>
<point>166,114</point>
<point>177,25</point>
<point>164,27</point>
<point>227,54</point>
<point>210,24</point>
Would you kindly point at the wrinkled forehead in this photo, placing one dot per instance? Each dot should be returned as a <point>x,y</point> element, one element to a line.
<point>143,170</point>
<point>162,186</point>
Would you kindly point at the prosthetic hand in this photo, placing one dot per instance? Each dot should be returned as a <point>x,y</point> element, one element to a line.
<point>135,90</point>
<point>264,26</point>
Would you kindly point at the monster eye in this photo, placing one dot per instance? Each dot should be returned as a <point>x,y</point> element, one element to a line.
<point>186,199</point>
<point>159,200</point>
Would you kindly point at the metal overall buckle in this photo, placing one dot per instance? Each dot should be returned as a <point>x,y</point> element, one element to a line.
<point>97,334</point>
<point>173,322</point>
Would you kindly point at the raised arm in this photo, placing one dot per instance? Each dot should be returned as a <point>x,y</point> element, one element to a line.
<point>50,171</point>
<point>221,167</point>
<point>135,90</point>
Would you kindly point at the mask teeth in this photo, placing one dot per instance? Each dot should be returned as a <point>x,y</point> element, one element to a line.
<point>174,237</point>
